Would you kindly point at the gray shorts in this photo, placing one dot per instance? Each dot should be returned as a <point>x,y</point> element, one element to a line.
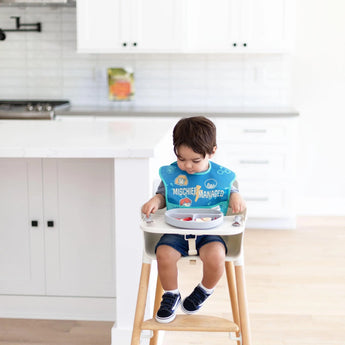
<point>179,243</point>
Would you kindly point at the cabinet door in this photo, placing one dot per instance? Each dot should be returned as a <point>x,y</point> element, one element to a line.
<point>264,25</point>
<point>157,25</point>
<point>78,203</point>
<point>98,26</point>
<point>238,26</point>
<point>21,242</point>
<point>128,25</point>
<point>212,25</point>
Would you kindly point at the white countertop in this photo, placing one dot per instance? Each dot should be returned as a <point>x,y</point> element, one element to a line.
<point>129,110</point>
<point>117,139</point>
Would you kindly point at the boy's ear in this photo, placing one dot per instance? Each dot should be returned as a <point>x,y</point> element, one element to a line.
<point>214,150</point>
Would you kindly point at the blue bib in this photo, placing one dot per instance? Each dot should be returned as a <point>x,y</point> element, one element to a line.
<point>207,189</point>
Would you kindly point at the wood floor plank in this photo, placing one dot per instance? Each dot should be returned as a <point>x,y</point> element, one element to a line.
<point>54,332</point>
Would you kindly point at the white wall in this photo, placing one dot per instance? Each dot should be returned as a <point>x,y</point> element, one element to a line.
<point>318,92</point>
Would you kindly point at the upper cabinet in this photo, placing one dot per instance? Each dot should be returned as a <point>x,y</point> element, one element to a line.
<point>128,26</point>
<point>156,26</point>
<point>239,26</point>
<point>217,26</point>
<point>266,25</point>
<point>98,26</point>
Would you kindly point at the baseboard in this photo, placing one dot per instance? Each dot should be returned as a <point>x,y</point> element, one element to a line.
<point>57,308</point>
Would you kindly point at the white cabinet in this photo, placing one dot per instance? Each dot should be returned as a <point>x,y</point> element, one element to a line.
<point>98,26</point>
<point>262,152</point>
<point>238,25</point>
<point>124,26</point>
<point>56,227</point>
<point>210,24</point>
<point>266,26</point>
<point>21,244</point>
<point>230,26</point>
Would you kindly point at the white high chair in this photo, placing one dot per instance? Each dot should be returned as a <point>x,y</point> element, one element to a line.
<point>233,237</point>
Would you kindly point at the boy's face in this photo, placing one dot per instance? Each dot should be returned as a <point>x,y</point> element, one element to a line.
<point>192,162</point>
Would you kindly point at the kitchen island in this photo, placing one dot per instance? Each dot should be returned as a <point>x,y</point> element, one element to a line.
<point>123,151</point>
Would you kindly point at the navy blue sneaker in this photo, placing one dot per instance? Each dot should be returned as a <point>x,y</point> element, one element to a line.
<point>194,301</point>
<point>169,304</point>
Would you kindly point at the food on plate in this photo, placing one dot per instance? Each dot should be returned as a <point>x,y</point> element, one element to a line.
<point>187,219</point>
<point>202,219</point>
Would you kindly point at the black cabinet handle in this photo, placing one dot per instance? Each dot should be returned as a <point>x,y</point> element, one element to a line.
<point>124,44</point>
<point>135,44</point>
<point>234,44</point>
<point>50,223</point>
<point>244,44</point>
<point>34,223</point>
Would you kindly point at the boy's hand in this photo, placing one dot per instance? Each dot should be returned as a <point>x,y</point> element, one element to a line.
<point>237,203</point>
<point>153,205</point>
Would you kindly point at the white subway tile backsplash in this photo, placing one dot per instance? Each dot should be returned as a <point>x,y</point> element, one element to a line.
<point>43,74</point>
<point>227,76</point>
<point>46,65</point>
<point>15,63</point>
<point>36,92</point>
<point>10,73</point>
<point>161,85</point>
<point>68,46</point>
<point>42,44</point>
<point>44,55</point>
<point>183,84</point>
<point>152,75</point>
<point>10,47</point>
<point>6,93</point>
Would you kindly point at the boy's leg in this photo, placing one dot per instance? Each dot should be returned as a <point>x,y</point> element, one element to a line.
<point>212,256</point>
<point>167,258</point>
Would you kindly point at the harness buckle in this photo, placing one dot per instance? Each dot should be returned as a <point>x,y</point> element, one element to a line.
<point>191,244</point>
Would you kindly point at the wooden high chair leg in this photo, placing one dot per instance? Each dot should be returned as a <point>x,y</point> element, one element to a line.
<point>158,298</point>
<point>141,303</point>
<point>243,305</point>
<point>231,278</point>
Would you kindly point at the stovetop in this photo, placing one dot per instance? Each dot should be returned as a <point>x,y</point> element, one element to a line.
<point>31,109</point>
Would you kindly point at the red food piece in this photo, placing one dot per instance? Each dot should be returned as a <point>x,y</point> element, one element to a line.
<point>187,219</point>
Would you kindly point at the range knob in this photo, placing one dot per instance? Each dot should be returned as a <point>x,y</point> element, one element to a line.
<point>48,107</point>
<point>29,107</point>
<point>39,107</point>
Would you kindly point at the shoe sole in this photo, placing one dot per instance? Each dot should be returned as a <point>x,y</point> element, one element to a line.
<point>168,319</point>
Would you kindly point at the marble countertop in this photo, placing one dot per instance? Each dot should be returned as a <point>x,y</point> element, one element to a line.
<point>117,139</point>
<point>127,110</point>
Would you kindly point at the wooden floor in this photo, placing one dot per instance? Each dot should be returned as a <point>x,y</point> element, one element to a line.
<point>295,287</point>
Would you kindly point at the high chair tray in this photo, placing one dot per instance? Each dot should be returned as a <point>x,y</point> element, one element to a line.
<point>158,225</point>
<point>194,218</point>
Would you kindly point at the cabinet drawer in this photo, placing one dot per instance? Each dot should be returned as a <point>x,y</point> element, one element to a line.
<point>264,200</point>
<point>252,131</point>
<point>266,165</point>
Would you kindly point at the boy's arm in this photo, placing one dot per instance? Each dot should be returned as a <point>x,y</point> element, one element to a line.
<point>237,203</point>
<point>155,203</point>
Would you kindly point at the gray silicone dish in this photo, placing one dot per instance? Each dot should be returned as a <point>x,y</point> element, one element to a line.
<point>178,218</point>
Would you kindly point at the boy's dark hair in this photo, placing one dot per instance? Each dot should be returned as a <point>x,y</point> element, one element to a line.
<point>198,133</point>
